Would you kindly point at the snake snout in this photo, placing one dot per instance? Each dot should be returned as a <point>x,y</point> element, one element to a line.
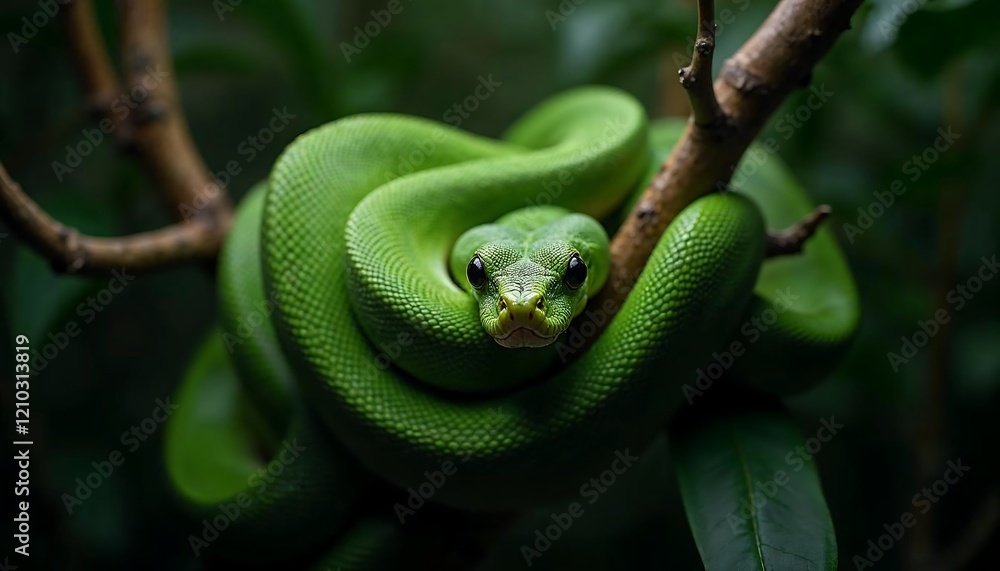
<point>521,310</point>
<point>521,321</point>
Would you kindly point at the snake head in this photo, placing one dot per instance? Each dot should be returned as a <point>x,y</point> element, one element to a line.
<point>531,272</point>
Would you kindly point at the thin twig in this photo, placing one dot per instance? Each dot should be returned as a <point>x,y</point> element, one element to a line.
<point>104,97</point>
<point>70,251</point>
<point>791,240</point>
<point>697,77</point>
<point>161,132</point>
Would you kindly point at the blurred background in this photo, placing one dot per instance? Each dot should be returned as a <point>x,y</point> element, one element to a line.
<point>891,84</point>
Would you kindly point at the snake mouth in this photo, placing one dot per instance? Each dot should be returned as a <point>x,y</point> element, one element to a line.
<point>524,337</point>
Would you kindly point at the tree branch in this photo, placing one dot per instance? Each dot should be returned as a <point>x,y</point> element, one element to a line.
<point>777,59</point>
<point>161,133</point>
<point>697,77</point>
<point>148,116</point>
<point>71,252</point>
<point>792,240</point>
<point>100,84</point>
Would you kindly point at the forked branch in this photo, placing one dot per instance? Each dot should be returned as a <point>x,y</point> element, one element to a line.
<point>161,132</point>
<point>777,59</point>
<point>144,116</point>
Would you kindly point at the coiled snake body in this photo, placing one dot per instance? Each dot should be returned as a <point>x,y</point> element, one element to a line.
<point>397,261</point>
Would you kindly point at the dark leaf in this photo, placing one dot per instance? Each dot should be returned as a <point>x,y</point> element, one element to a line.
<point>752,500</point>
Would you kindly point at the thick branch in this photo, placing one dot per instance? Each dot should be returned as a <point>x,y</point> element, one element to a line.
<point>161,132</point>
<point>697,77</point>
<point>72,252</point>
<point>777,59</point>
<point>100,84</point>
<point>792,240</point>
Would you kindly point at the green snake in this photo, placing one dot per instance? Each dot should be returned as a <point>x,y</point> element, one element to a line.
<point>398,300</point>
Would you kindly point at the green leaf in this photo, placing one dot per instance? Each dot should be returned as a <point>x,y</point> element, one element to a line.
<point>752,501</point>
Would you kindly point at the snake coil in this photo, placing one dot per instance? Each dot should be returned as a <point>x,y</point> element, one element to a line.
<point>371,358</point>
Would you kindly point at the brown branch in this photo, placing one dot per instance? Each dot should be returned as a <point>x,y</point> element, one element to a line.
<point>697,77</point>
<point>100,84</point>
<point>147,114</point>
<point>791,240</point>
<point>71,252</point>
<point>161,133</point>
<point>777,59</point>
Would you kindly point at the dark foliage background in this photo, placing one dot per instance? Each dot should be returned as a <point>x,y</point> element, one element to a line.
<point>893,88</point>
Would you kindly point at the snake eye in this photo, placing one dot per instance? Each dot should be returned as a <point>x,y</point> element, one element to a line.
<point>476,272</point>
<point>576,272</point>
